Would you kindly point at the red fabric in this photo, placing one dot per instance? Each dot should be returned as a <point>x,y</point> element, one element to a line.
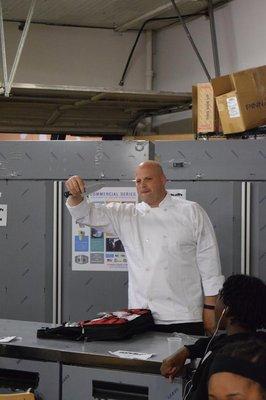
<point>111,319</point>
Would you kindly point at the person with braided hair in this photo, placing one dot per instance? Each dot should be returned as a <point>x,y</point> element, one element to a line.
<point>238,371</point>
<point>240,310</point>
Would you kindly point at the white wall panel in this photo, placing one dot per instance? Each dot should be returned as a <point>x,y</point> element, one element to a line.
<point>76,56</point>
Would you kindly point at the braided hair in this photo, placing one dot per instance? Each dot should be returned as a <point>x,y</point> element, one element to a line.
<point>245,297</point>
<point>252,350</point>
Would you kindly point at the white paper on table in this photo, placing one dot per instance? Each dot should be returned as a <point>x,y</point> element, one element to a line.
<point>7,339</point>
<point>132,355</point>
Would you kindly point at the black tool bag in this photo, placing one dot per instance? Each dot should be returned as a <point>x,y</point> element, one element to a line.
<point>108,326</point>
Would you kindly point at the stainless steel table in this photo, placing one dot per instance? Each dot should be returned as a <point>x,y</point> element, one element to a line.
<point>93,355</point>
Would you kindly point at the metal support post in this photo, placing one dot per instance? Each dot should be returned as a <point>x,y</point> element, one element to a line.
<point>20,48</point>
<point>214,39</point>
<point>3,45</point>
<point>149,72</point>
<point>59,254</point>
<point>55,259</point>
<point>191,40</point>
<point>248,203</point>
<point>243,227</point>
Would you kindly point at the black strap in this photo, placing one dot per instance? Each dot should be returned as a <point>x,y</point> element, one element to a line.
<point>208,307</point>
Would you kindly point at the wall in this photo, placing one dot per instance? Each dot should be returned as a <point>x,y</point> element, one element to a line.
<point>76,56</point>
<point>241,33</point>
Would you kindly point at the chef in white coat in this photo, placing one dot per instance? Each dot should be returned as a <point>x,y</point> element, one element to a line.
<point>173,258</point>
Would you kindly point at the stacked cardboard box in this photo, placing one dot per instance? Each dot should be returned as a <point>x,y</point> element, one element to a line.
<point>204,110</point>
<point>236,101</point>
<point>241,99</point>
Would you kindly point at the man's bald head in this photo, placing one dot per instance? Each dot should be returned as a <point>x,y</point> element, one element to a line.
<point>153,165</point>
<point>150,182</point>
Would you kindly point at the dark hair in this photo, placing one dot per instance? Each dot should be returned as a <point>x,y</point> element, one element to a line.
<point>252,351</point>
<point>245,297</point>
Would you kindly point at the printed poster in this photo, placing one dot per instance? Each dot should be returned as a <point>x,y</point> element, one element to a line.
<point>94,250</point>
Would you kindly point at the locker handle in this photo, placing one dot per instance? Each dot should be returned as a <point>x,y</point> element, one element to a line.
<point>248,204</point>
<point>118,391</point>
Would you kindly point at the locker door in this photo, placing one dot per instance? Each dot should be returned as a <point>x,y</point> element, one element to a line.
<point>26,249</point>
<point>222,202</point>
<point>258,230</point>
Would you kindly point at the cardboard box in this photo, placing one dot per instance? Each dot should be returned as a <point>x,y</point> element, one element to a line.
<point>204,111</point>
<point>241,99</point>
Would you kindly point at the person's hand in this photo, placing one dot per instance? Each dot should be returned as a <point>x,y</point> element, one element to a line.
<point>75,185</point>
<point>173,366</point>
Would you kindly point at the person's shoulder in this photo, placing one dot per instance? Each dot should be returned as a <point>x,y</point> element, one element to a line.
<point>187,204</point>
<point>192,208</point>
<point>181,200</point>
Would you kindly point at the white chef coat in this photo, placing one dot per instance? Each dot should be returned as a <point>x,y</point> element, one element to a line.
<point>172,253</point>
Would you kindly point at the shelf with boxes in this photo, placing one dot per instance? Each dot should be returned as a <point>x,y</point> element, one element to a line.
<point>233,104</point>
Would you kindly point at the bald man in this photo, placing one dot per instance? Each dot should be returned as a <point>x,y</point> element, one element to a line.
<point>173,258</point>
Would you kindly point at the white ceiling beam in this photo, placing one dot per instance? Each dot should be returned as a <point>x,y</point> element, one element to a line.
<point>151,14</point>
<point>3,46</point>
<point>20,48</point>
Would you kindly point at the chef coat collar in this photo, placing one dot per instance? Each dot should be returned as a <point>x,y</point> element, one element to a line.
<point>166,203</point>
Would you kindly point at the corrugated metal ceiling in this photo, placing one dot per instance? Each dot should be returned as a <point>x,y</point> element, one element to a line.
<point>118,14</point>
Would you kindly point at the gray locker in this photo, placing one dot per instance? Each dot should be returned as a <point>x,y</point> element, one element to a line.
<point>48,386</point>
<point>90,383</point>
<point>228,180</point>
<point>258,230</point>
<point>230,160</point>
<point>26,250</point>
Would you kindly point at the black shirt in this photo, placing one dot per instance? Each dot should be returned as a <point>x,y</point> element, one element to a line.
<point>199,389</point>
